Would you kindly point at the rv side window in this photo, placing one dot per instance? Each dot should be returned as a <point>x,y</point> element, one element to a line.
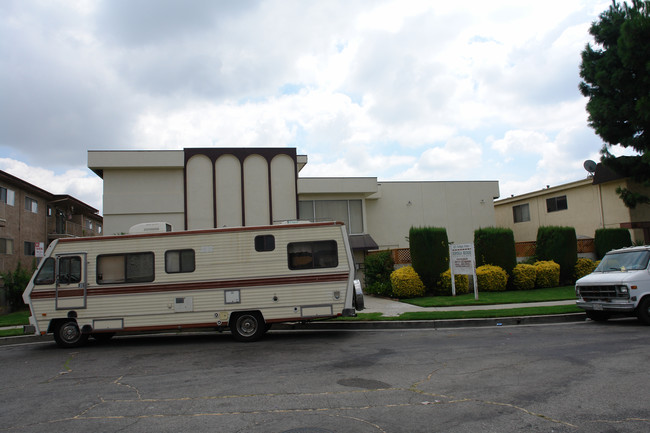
<point>46,274</point>
<point>69,270</point>
<point>179,261</point>
<point>264,243</point>
<point>313,255</point>
<point>125,268</point>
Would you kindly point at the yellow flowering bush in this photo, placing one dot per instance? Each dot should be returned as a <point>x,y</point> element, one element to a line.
<point>548,274</point>
<point>584,266</point>
<point>524,276</point>
<point>462,283</point>
<point>491,278</point>
<point>406,283</point>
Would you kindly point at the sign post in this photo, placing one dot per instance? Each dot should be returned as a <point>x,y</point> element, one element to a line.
<point>462,262</point>
<point>39,249</point>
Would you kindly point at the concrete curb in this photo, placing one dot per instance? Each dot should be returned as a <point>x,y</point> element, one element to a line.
<point>375,324</point>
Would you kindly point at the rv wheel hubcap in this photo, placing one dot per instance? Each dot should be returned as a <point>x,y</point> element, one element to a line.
<point>70,332</point>
<point>247,325</point>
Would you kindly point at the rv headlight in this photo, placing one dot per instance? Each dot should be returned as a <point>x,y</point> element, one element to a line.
<point>622,290</point>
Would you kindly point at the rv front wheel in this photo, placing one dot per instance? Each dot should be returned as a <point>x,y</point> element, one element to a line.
<point>68,334</point>
<point>247,326</point>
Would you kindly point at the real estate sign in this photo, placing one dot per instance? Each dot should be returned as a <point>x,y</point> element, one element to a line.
<point>462,262</point>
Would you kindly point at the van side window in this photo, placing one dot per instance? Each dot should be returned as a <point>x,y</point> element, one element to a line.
<point>264,243</point>
<point>177,261</point>
<point>69,270</point>
<point>125,268</point>
<point>46,273</point>
<point>313,255</point>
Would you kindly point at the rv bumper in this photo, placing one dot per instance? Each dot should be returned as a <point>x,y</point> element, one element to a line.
<point>619,307</point>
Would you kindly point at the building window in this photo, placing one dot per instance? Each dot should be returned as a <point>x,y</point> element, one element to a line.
<point>555,204</point>
<point>88,223</point>
<point>312,255</point>
<point>6,246</point>
<point>264,243</point>
<point>125,268</point>
<point>7,196</point>
<point>177,261</point>
<point>348,211</point>
<point>31,205</point>
<point>30,248</point>
<point>521,213</point>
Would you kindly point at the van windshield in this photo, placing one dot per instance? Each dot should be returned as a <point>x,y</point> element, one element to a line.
<point>625,261</point>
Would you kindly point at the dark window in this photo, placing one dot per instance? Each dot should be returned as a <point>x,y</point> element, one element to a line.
<point>177,261</point>
<point>521,213</point>
<point>556,203</point>
<point>31,205</point>
<point>69,270</point>
<point>264,243</point>
<point>312,255</point>
<point>30,249</point>
<point>125,268</point>
<point>46,273</point>
<point>6,246</point>
<point>7,196</point>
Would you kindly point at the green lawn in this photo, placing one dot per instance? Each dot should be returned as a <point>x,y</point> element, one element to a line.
<point>16,318</point>
<point>489,298</point>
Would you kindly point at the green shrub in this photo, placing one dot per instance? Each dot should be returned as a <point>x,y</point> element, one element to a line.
<point>406,283</point>
<point>584,266</point>
<point>15,284</point>
<point>524,276</point>
<point>429,248</point>
<point>462,283</point>
<point>548,274</point>
<point>495,246</point>
<point>377,270</point>
<point>611,239</point>
<point>560,245</point>
<point>491,278</point>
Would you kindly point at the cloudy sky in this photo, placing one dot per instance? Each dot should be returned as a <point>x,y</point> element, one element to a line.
<point>400,90</point>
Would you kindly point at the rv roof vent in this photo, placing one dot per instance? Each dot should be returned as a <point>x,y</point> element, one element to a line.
<point>155,227</point>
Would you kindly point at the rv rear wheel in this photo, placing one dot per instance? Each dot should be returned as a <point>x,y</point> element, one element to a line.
<point>68,334</point>
<point>247,326</point>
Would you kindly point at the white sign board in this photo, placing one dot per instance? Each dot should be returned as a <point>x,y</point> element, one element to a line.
<point>462,262</point>
<point>39,249</point>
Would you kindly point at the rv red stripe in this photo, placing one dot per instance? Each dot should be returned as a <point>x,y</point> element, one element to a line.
<point>182,287</point>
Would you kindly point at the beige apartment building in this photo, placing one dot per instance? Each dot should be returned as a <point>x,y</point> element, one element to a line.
<point>31,218</point>
<point>215,187</point>
<point>586,205</point>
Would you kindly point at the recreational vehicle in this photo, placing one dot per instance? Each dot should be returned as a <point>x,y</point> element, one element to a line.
<point>243,279</point>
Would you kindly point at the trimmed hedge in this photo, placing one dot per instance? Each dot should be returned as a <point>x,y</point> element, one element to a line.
<point>560,245</point>
<point>547,274</point>
<point>462,283</point>
<point>611,239</point>
<point>491,278</point>
<point>495,246</point>
<point>524,276</point>
<point>429,248</point>
<point>406,283</point>
<point>377,270</point>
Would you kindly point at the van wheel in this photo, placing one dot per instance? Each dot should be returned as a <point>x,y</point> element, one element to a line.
<point>597,316</point>
<point>643,310</point>
<point>68,334</point>
<point>247,326</point>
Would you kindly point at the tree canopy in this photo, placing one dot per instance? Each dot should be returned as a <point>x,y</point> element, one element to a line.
<point>616,79</point>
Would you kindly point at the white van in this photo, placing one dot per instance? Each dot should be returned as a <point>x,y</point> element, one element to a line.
<point>243,278</point>
<point>619,285</point>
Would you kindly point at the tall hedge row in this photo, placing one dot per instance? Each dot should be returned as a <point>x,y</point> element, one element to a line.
<point>611,239</point>
<point>495,246</point>
<point>560,245</point>
<point>429,248</point>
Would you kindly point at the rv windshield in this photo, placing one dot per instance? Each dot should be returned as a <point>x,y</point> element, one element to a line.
<point>624,261</point>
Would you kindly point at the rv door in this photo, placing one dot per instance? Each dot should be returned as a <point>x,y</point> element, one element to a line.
<point>71,281</point>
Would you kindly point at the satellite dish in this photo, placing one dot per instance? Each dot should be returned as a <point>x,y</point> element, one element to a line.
<point>590,166</point>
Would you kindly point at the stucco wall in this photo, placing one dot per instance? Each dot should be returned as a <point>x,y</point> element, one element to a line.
<point>460,207</point>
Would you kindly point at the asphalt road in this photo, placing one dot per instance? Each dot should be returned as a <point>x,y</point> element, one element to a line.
<point>570,377</point>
